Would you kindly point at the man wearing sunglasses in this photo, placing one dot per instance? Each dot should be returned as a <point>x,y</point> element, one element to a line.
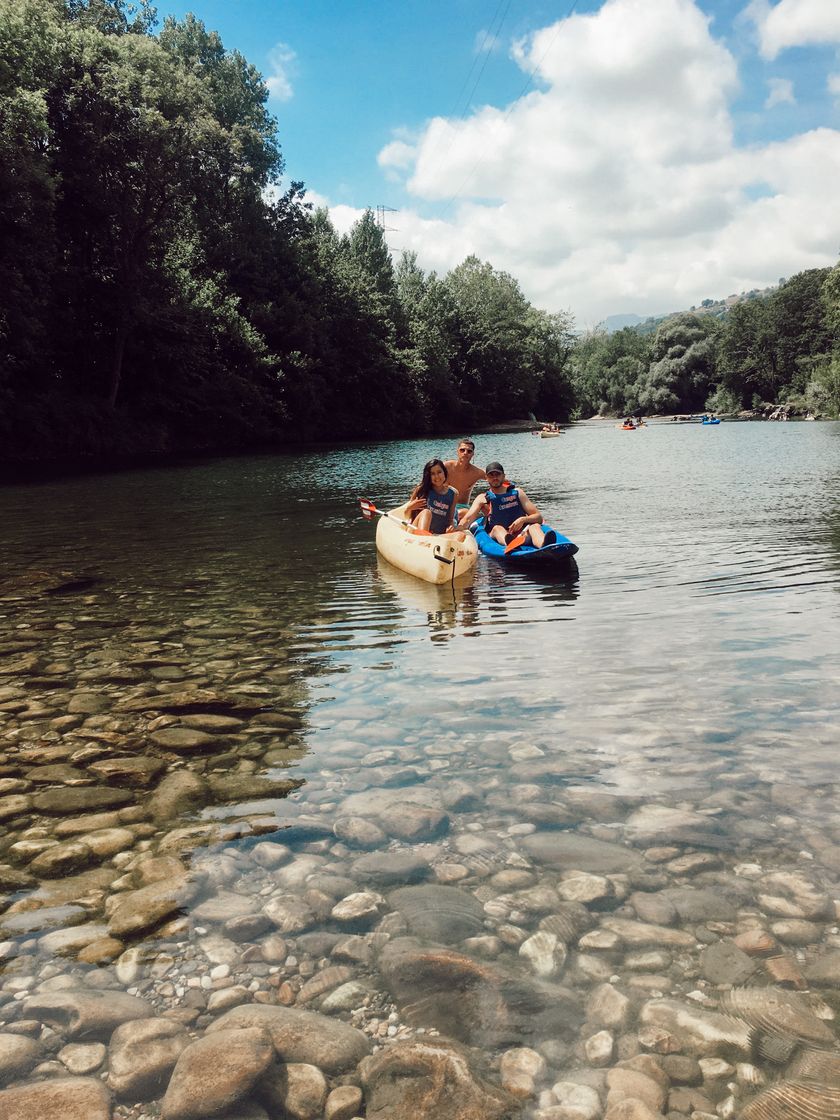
<point>509,511</point>
<point>462,474</point>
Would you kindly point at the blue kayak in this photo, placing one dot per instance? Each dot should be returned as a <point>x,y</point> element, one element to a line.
<point>562,550</point>
<point>711,421</point>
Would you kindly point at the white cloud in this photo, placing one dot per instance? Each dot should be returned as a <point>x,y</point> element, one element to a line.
<point>833,84</point>
<point>396,156</point>
<point>619,185</point>
<point>781,93</point>
<point>281,59</point>
<point>794,23</point>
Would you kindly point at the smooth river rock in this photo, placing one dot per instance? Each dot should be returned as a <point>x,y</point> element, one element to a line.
<point>85,1013</point>
<point>68,801</point>
<point>63,1098</point>
<point>702,1033</point>
<point>141,1056</point>
<point>443,914</point>
<point>147,907</point>
<point>17,1056</point>
<point>571,851</point>
<point>216,1072</point>
<point>385,869</point>
<point>429,1080</point>
<point>301,1036</point>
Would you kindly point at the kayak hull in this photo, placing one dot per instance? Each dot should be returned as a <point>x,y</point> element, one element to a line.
<point>435,559</point>
<point>526,555</point>
<point>549,435</point>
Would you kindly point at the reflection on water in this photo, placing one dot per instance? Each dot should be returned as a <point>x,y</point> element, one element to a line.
<point>445,606</point>
<point>467,608</point>
<point>208,680</point>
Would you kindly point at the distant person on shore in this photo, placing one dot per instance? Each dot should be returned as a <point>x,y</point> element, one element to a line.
<point>463,474</point>
<point>432,502</point>
<point>508,510</point>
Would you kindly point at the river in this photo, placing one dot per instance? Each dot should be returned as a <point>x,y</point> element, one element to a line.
<point>675,698</point>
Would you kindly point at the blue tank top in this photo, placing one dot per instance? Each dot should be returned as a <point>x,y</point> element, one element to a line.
<point>440,505</point>
<point>504,507</point>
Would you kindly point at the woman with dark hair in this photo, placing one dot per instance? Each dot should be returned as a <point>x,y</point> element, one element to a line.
<point>432,502</point>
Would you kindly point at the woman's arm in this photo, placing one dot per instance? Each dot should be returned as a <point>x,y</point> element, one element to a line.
<point>415,502</point>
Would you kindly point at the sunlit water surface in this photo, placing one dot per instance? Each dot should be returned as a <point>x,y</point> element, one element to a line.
<point>704,613</point>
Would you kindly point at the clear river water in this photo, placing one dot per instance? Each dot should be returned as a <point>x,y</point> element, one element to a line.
<point>691,662</point>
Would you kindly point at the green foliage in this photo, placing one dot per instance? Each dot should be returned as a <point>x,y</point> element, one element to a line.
<point>606,368</point>
<point>510,359</point>
<point>768,347</point>
<point>722,401</point>
<point>682,366</point>
<point>822,393</point>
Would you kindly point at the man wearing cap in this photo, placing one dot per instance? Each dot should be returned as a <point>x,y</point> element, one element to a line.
<point>509,511</point>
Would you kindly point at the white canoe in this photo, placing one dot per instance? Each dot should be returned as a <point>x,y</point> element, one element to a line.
<point>433,559</point>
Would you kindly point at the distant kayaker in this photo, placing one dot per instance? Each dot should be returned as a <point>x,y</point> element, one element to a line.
<point>509,511</point>
<point>463,475</point>
<point>432,501</point>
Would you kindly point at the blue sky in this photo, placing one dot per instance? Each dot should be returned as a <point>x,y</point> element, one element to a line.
<point>613,155</point>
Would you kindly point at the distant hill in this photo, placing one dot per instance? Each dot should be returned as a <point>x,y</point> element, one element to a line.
<point>619,322</point>
<point>716,307</point>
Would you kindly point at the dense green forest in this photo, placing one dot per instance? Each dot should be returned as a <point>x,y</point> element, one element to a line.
<point>163,288</point>
<point>782,348</point>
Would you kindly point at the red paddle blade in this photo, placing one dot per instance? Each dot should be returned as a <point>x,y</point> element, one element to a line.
<point>368,508</point>
<point>518,540</point>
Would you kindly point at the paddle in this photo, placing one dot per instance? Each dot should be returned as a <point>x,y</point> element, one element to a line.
<point>369,509</point>
<point>519,539</point>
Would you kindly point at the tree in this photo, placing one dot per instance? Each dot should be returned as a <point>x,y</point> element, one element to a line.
<point>607,368</point>
<point>366,248</point>
<point>797,321</point>
<point>488,328</point>
<point>682,368</point>
<point>746,358</point>
<point>29,48</point>
<point>428,313</point>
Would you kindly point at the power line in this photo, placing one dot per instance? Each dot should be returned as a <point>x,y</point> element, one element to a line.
<point>514,103</point>
<point>487,55</point>
<point>483,53</point>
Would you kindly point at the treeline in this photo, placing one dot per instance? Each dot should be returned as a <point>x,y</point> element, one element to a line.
<point>160,291</point>
<point>780,349</point>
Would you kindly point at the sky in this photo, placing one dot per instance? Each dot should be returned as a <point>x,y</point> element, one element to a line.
<point>614,156</point>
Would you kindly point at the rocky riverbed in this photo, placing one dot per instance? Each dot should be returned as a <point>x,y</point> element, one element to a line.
<point>194,924</point>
